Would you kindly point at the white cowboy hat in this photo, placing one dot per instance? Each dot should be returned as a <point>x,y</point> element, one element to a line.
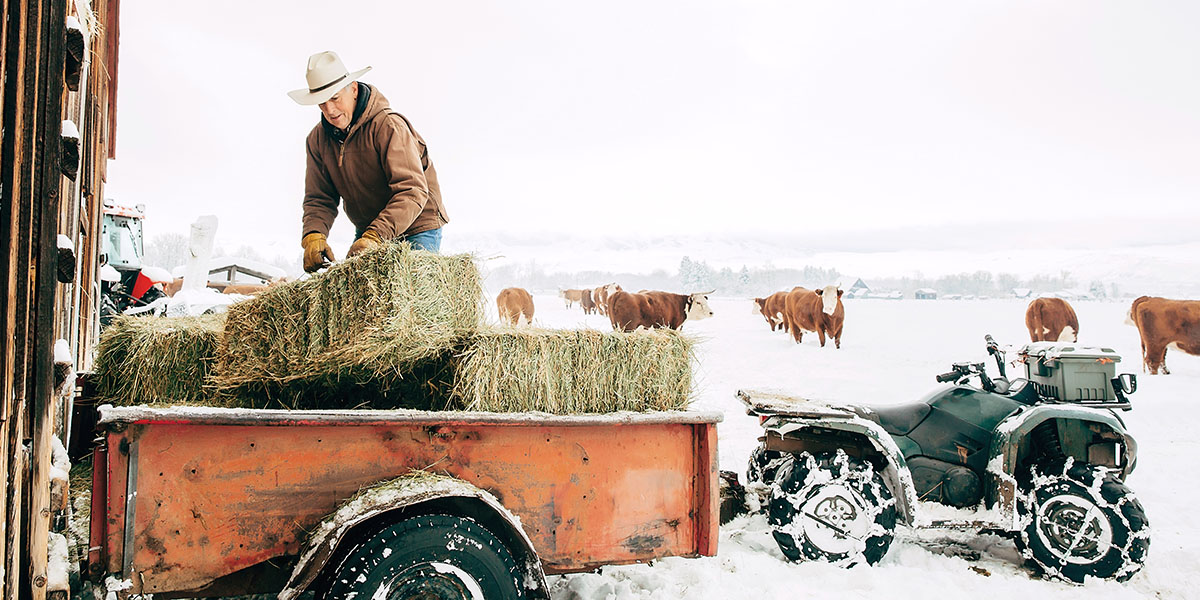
<point>326,76</point>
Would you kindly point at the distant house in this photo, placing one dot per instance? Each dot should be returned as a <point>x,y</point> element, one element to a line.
<point>925,294</point>
<point>852,287</point>
<point>231,270</point>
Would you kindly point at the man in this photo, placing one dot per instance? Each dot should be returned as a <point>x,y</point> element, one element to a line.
<point>370,157</point>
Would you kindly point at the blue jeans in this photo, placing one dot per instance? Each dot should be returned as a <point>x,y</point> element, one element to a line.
<point>426,240</point>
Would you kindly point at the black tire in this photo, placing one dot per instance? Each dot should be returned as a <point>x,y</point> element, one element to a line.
<point>831,508</point>
<point>1080,521</point>
<point>763,465</point>
<point>431,556</point>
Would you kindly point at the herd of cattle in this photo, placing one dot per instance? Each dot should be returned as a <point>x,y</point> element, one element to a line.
<point>1161,323</point>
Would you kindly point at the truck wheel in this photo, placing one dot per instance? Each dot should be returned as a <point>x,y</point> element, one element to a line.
<point>438,557</point>
<point>831,508</point>
<point>763,465</point>
<point>1080,521</point>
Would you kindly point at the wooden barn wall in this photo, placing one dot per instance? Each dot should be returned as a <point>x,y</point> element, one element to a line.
<point>36,204</point>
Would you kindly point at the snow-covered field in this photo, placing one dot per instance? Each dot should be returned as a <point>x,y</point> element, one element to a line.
<point>890,352</point>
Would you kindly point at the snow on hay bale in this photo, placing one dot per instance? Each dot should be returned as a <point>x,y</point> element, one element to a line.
<point>574,371</point>
<point>366,327</point>
<point>157,360</point>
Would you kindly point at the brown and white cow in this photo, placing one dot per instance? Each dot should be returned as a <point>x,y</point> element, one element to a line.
<point>515,306</point>
<point>570,297</point>
<point>1164,324</point>
<point>628,311</point>
<point>601,294</point>
<point>820,311</point>
<point>586,301</point>
<point>772,308</point>
<point>1051,320</point>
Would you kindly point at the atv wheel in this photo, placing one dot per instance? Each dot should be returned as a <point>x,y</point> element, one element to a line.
<point>831,508</point>
<point>1081,521</point>
<point>435,557</point>
<point>763,465</point>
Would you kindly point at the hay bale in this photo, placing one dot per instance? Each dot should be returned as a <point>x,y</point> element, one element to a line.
<point>360,334</point>
<point>574,371</point>
<point>153,360</point>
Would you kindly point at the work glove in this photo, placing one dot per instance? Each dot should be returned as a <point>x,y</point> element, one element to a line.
<point>369,239</point>
<point>316,252</point>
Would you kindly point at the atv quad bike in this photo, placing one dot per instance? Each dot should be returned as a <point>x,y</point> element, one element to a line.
<point>1041,459</point>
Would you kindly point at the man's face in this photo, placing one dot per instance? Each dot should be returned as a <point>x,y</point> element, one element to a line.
<point>339,109</point>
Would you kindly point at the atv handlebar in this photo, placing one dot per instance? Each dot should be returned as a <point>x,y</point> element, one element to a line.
<point>947,377</point>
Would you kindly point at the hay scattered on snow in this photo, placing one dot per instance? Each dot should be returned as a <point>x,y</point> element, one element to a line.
<point>157,360</point>
<point>574,371</point>
<point>364,333</point>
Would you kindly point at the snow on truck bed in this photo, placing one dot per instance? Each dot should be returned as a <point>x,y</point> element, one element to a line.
<point>890,353</point>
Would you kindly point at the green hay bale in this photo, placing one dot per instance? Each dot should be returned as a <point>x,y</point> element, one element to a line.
<point>151,360</point>
<point>574,371</point>
<point>362,334</point>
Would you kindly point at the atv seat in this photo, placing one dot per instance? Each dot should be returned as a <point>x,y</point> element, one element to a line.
<point>898,420</point>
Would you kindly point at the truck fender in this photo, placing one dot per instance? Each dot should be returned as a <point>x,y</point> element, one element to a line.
<point>1004,453</point>
<point>895,474</point>
<point>411,493</point>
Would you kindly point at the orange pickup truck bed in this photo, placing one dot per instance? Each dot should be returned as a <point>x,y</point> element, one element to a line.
<point>183,497</point>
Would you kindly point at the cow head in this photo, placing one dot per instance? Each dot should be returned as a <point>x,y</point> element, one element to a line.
<point>760,305</point>
<point>697,306</point>
<point>611,289</point>
<point>830,296</point>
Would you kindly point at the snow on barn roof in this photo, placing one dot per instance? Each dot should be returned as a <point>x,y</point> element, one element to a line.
<point>848,283</point>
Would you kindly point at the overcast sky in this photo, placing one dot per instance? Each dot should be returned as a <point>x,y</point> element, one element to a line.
<point>785,117</point>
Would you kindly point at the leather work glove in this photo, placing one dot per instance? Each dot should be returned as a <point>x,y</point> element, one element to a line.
<point>316,252</point>
<point>369,239</point>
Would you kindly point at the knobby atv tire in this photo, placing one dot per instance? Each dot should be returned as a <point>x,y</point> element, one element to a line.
<point>1080,521</point>
<point>763,465</point>
<point>438,557</point>
<point>831,508</point>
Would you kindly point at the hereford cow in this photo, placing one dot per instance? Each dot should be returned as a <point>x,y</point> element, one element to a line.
<point>820,311</point>
<point>570,297</point>
<point>1163,324</point>
<point>586,301</point>
<point>771,308</point>
<point>515,306</point>
<point>628,311</point>
<point>601,294</point>
<point>1051,320</point>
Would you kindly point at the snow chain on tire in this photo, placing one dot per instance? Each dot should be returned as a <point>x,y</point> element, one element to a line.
<point>1079,520</point>
<point>831,508</point>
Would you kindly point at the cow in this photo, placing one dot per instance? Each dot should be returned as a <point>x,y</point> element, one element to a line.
<point>515,306</point>
<point>771,308</point>
<point>628,311</point>
<point>570,297</point>
<point>1164,324</point>
<point>819,310</point>
<point>601,294</point>
<point>1051,320</point>
<point>585,300</point>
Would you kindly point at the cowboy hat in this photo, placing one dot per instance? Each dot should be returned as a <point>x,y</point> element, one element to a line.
<point>326,76</point>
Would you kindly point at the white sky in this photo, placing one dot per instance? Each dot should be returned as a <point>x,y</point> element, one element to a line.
<point>678,117</point>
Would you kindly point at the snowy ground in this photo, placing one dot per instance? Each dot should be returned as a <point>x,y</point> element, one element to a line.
<point>890,352</point>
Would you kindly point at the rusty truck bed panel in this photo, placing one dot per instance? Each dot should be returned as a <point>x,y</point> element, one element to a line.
<point>205,495</point>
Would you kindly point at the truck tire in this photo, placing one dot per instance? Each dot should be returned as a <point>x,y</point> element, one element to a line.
<point>831,508</point>
<point>440,557</point>
<point>1080,521</point>
<point>763,465</point>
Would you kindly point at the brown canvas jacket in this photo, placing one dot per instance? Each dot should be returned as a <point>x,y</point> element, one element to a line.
<point>382,173</point>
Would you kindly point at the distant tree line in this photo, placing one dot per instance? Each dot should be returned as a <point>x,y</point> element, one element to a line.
<point>698,276</point>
